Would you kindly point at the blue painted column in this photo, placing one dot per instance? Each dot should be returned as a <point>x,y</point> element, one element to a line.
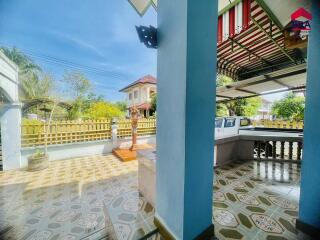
<point>309,212</point>
<point>186,110</point>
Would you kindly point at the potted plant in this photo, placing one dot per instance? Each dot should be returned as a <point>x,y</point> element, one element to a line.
<point>40,159</point>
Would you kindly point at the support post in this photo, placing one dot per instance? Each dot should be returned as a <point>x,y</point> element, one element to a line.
<point>11,136</point>
<point>114,133</point>
<point>309,206</point>
<point>187,35</point>
<point>134,125</point>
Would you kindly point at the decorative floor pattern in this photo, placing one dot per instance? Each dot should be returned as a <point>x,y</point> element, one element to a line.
<point>257,201</point>
<point>130,216</point>
<point>66,201</point>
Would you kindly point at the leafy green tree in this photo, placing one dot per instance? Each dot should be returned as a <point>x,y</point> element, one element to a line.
<point>90,99</point>
<point>122,106</point>
<point>77,85</point>
<point>37,86</point>
<point>221,110</point>
<point>240,107</point>
<point>244,107</point>
<point>103,110</point>
<point>291,107</point>
<point>33,83</point>
<point>154,103</point>
<point>223,80</point>
<point>251,106</point>
<point>76,110</point>
<point>25,64</point>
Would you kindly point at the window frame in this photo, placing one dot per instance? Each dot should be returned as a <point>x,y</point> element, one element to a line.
<point>227,120</point>
<point>220,123</point>
<point>135,94</point>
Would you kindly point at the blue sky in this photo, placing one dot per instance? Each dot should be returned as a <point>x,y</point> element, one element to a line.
<point>99,34</point>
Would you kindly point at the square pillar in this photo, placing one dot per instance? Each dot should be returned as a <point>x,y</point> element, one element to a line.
<point>309,207</point>
<point>187,31</point>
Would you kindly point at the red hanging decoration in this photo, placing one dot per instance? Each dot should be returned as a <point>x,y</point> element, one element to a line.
<point>246,5</point>
<point>220,29</point>
<point>232,22</point>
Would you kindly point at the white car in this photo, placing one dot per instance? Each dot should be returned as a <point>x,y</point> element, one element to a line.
<point>229,126</point>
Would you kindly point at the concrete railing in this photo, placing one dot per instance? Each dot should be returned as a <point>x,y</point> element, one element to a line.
<point>279,149</point>
<point>261,148</point>
<point>87,138</point>
<point>81,149</point>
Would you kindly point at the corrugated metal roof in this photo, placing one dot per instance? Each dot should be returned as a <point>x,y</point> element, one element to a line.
<point>257,50</point>
<point>282,80</point>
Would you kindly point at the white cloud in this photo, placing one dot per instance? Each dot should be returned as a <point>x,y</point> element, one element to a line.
<point>77,41</point>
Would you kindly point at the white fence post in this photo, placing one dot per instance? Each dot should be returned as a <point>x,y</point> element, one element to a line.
<point>114,129</point>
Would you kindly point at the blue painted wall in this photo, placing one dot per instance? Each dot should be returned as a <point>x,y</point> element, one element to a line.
<point>310,176</point>
<point>186,109</point>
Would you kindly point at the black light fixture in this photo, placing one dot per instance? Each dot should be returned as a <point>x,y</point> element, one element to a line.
<point>148,36</point>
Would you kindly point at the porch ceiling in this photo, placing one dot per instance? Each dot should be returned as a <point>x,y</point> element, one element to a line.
<point>260,48</point>
<point>292,78</point>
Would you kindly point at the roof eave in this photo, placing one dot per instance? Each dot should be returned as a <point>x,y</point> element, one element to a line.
<point>137,84</point>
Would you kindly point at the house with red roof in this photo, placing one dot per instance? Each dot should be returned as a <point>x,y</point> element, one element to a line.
<point>139,94</point>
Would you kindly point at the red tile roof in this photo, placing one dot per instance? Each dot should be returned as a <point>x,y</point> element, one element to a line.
<point>146,79</point>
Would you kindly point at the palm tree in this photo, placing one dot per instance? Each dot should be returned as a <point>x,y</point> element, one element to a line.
<point>36,86</point>
<point>25,64</point>
<point>33,83</point>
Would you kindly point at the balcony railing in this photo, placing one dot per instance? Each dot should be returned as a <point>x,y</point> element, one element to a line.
<point>276,148</point>
<point>280,151</point>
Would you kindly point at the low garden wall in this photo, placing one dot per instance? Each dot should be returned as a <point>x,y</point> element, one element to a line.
<point>80,149</point>
<point>69,139</point>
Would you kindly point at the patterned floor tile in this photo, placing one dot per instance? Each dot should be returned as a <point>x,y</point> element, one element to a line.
<point>261,197</point>
<point>66,201</point>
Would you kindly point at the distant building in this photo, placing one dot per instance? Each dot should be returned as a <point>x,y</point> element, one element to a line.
<point>139,94</point>
<point>265,111</point>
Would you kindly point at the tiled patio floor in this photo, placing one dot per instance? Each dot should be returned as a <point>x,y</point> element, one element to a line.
<point>66,200</point>
<point>256,201</point>
<point>63,201</point>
